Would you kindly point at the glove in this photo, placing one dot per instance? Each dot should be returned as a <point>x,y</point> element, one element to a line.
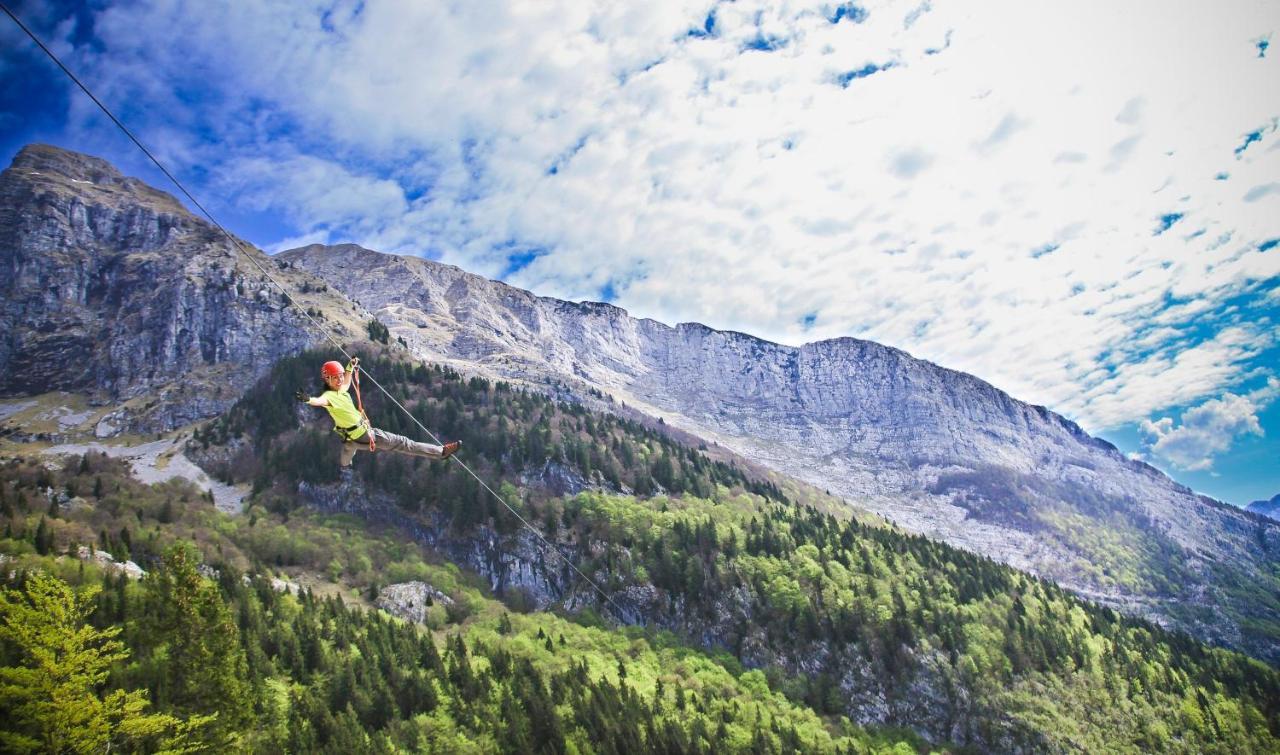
<point>302,396</point>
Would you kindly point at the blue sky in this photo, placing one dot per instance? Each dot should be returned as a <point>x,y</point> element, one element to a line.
<point>1079,203</point>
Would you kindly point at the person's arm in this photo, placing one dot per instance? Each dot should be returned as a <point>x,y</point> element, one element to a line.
<point>311,400</point>
<point>349,375</point>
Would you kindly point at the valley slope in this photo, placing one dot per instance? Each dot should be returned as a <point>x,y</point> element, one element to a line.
<point>940,452</point>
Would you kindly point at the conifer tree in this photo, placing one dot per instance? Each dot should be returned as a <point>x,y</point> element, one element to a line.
<point>56,666</point>
<point>204,660</point>
<point>44,538</point>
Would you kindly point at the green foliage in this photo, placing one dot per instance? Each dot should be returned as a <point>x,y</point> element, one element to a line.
<point>319,675</point>
<point>908,610</point>
<point>507,433</point>
<point>55,666</point>
<point>377,331</point>
<point>43,538</point>
<point>814,603</point>
<point>328,678</point>
<point>197,653</point>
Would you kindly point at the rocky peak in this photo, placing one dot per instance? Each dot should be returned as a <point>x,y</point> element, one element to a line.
<point>48,168</point>
<point>113,288</point>
<point>1269,508</point>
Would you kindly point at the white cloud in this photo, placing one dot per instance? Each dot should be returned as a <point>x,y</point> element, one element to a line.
<point>989,207</point>
<point>1261,190</point>
<point>317,194</point>
<point>1207,430</point>
<point>1140,382</point>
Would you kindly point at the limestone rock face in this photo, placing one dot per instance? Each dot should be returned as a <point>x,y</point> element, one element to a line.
<point>112,288</point>
<point>410,600</point>
<point>109,563</point>
<point>940,452</point>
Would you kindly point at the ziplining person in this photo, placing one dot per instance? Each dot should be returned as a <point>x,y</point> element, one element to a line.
<point>353,425</point>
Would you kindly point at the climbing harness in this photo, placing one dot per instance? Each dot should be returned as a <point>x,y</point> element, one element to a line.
<point>288,297</point>
<point>334,369</point>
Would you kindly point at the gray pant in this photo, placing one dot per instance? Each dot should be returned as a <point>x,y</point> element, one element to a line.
<point>386,441</point>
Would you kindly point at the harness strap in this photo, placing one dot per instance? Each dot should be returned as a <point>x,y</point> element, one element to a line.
<point>355,380</point>
<point>347,433</point>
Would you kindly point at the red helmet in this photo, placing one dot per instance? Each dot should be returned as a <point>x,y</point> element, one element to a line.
<point>332,369</point>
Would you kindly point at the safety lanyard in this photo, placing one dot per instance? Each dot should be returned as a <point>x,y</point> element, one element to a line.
<point>355,380</point>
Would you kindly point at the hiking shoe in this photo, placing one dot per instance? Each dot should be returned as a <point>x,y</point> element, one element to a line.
<point>449,449</point>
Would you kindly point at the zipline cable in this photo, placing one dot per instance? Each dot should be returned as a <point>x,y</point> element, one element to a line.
<point>324,332</point>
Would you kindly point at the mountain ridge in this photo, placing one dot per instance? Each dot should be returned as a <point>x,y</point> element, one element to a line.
<point>1072,427</point>
<point>111,287</point>
<point>942,453</point>
<point>1269,508</point>
<point>591,306</point>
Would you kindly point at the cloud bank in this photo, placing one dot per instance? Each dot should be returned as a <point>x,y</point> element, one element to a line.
<point>1073,202</point>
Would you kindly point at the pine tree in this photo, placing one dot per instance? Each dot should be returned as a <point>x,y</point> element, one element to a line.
<point>205,662</point>
<point>44,538</point>
<point>51,698</point>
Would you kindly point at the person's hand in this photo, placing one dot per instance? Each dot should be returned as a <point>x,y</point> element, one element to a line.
<point>302,396</point>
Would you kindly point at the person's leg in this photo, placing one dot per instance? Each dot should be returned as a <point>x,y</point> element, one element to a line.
<point>348,453</point>
<point>400,444</point>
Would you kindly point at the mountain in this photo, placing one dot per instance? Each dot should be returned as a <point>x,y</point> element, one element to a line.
<point>1269,508</point>
<point>939,452</point>
<point>112,288</point>
<point>751,622</point>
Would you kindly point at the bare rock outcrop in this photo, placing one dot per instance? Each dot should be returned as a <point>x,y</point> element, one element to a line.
<point>411,600</point>
<point>112,288</point>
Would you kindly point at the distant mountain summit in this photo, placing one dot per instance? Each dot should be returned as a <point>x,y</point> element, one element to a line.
<point>1269,508</point>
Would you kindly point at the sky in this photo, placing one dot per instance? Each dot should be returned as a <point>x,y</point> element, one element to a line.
<point>1077,202</point>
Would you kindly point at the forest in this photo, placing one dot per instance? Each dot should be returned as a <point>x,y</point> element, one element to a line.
<point>758,624</point>
<point>200,656</point>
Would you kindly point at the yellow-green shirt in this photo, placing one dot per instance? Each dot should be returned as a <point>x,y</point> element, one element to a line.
<point>343,410</point>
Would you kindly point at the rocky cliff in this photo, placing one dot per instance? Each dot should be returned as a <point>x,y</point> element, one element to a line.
<point>939,452</point>
<point>112,288</point>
